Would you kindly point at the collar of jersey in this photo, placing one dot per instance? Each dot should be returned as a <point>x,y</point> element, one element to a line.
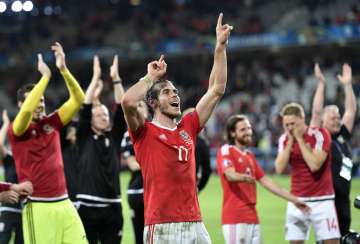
<point>164,127</point>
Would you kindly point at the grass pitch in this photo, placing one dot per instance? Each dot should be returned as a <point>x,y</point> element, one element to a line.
<point>271,210</point>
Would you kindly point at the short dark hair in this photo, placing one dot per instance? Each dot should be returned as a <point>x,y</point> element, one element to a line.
<point>293,109</point>
<point>153,93</point>
<point>20,96</point>
<point>231,124</point>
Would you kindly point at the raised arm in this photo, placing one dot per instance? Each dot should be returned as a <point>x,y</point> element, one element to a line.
<point>318,102</point>
<point>24,117</point>
<point>92,94</point>
<point>3,131</point>
<point>134,118</point>
<point>76,98</point>
<point>116,80</point>
<point>271,186</point>
<point>350,100</point>
<point>218,75</point>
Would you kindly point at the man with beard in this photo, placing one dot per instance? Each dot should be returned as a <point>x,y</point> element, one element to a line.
<point>238,171</point>
<point>165,149</point>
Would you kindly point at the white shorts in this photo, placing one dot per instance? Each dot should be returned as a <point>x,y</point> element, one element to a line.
<point>323,218</point>
<point>172,233</point>
<point>242,233</point>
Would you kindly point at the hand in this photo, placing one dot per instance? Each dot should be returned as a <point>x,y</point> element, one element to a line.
<point>98,89</point>
<point>59,56</point>
<point>5,117</point>
<point>318,74</point>
<point>96,68</point>
<point>222,32</point>
<point>114,70</point>
<point>157,69</point>
<point>24,188</point>
<point>297,132</point>
<point>9,197</point>
<point>302,206</point>
<point>346,76</point>
<point>42,67</point>
<point>248,179</point>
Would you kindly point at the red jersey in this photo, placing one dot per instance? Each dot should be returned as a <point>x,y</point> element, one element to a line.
<point>167,160</point>
<point>304,183</point>
<point>37,155</point>
<point>4,186</point>
<point>239,198</point>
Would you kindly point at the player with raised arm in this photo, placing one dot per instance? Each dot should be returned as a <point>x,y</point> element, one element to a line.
<point>239,170</point>
<point>48,216</point>
<point>340,129</point>
<point>165,149</point>
<point>307,150</point>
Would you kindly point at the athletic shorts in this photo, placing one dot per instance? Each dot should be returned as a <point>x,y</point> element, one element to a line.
<point>52,222</point>
<point>173,233</point>
<point>323,218</point>
<point>242,233</point>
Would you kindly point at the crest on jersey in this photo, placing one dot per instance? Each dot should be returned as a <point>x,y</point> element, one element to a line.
<point>185,136</point>
<point>48,128</point>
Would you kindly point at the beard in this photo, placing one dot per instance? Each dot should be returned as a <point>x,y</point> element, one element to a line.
<point>246,140</point>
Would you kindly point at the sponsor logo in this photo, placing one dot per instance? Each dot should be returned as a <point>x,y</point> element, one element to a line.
<point>163,137</point>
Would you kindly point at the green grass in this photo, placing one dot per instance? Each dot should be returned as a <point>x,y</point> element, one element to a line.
<point>271,210</point>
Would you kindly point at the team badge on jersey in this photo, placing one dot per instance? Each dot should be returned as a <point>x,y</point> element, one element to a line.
<point>186,138</point>
<point>48,128</point>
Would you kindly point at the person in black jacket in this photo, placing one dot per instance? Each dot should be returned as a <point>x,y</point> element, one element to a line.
<point>340,130</point>
<point>98,192</point>
<point>10,214</point>
<point>70,154</point>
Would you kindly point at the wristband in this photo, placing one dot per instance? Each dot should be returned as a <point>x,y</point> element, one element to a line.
<point>117,81</point>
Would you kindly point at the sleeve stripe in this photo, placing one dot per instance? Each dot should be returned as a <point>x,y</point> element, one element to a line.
<point>224,150</point>
<point>319,138</point>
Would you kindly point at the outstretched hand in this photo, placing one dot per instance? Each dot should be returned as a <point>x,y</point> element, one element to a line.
<point>114,69</point>
<point>222,31</point>
<point>9,197</point>
<point>346,76</point>
<point>42,66</point>
<point>5,117</point>
<point>157,69</point>
<point>59,56</point>
<point>24,188</point>
<point>302,206</point>
<point>96,68</point>
<point>318,74</point>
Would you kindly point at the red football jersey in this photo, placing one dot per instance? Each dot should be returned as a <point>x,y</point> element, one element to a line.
<point>167,160</point>
<point>239,198</point>
<point>37,155</point>
<point>304,183</point>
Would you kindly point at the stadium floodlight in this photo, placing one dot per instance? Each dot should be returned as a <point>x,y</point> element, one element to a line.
<point>2,7</point>
<point>16,6</point>
<point>28,6</point>
<point>48,10</point>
